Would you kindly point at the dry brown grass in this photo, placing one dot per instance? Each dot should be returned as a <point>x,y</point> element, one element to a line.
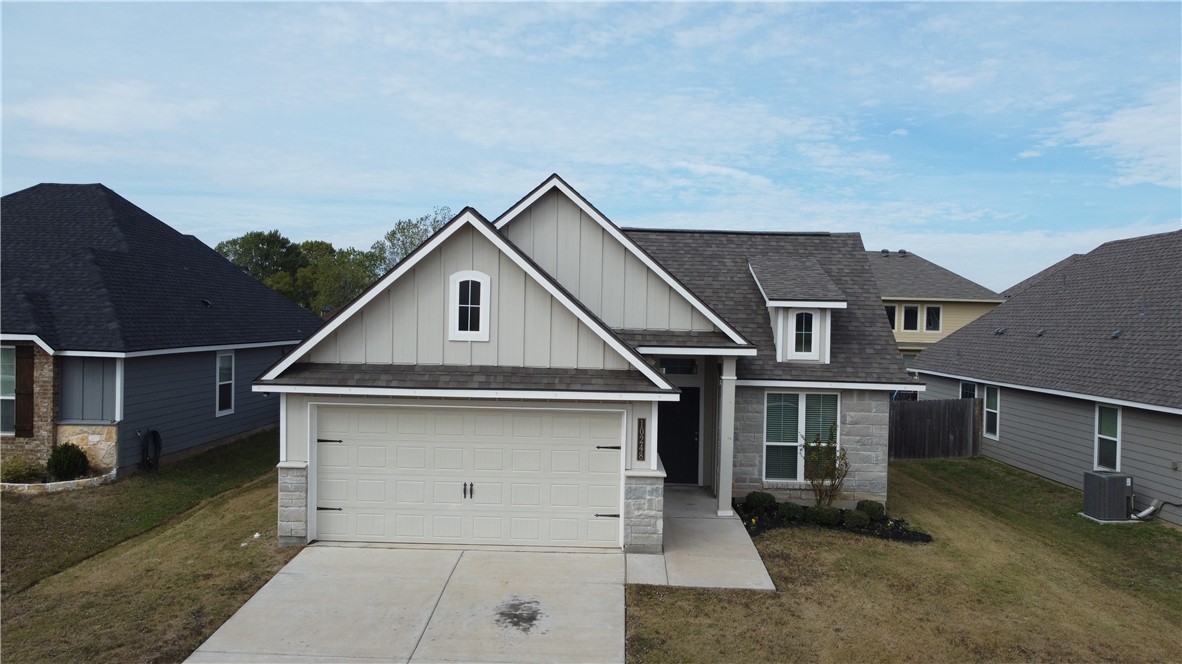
<point>1000,584</point>
<point>156,597</point>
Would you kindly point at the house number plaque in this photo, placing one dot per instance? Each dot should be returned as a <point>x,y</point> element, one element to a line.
<point>640,427</point>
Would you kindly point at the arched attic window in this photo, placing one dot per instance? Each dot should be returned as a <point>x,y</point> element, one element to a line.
<point>469,302</point>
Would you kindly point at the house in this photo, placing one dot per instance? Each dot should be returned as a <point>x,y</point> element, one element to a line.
<point>113,325</point>
<point>1081,370</point>
<point>537,379</point>
<point>924,302</point>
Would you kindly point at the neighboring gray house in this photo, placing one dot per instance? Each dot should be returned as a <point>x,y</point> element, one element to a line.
<point>1081,370</point>
<point>537,379</point>
<point>112,324</point>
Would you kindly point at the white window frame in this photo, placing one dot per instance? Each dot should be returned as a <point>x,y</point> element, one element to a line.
<point>1096,438</point>
<point>963,383</point>
<point>218,382</point>
<point>893,317</point>
<point>801,427</point>
<point>11,397</point>
<point>938,308</point>
<point>483,306</point>
<point>790,338</point>
<point>918,315</point>
<point>996,412</point>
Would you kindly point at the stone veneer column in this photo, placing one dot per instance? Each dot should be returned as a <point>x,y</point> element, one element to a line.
<point>644,514</point>
<point>726,427</point>
<point>865,424</point>
<point>293,503</point>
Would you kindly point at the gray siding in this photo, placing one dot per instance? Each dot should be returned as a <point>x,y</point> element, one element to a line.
<point>594,266</point>
<point>88,389</point>
<point>1053,437</point>
<point>175,394</point>
<point>408,322</point>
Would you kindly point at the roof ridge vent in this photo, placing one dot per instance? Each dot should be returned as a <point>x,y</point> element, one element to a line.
<point>902,253</point>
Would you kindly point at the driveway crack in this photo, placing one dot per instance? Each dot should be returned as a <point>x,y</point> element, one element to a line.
<point>435,607</point>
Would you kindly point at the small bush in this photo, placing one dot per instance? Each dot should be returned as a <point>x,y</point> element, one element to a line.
<point>873,509</point>
<point>20,470</point>
<point>790,511</point>
<point>824,516</point>
<point>760,502</point>
<point>856,519</point>
<point>67,462</point>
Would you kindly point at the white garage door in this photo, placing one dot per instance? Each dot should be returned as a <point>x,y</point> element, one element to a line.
<point>468,476</point>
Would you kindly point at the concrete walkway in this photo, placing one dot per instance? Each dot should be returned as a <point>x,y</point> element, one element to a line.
<point>368,604</point>
<point>702,549</point>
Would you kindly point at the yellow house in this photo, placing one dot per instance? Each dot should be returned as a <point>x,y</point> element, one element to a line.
<point>925,302</point>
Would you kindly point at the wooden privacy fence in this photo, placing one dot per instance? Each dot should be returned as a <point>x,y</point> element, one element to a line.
<point>936,429</point>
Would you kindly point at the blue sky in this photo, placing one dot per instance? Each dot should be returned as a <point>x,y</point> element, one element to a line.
<point>991,138</point>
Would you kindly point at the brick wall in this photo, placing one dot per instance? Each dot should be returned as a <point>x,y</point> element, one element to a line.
<point>863,430</point>
<point>46,395</point>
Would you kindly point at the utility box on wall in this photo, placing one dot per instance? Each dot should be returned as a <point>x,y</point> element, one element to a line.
<point>1108,496</point>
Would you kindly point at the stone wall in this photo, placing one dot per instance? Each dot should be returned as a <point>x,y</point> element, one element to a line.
<point>46,390</point>
<point>863,430</point>
<point>644,507</point>
<point>99,441</point>
<point>293,503</point>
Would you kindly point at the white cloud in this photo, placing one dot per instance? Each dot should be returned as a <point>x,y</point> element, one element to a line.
<point>110,107</point>
<point>959,82</point>
<point>900,132</point>
<point>1029,154</point>
<point>1145,141</point>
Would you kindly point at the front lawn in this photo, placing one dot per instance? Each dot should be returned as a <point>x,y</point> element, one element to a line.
<point>1013,575</point>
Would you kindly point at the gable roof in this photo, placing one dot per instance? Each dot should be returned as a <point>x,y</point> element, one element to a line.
<point>1059,334</point>
<point>85,270</point>
<point>715,264</point>
<point>796,283</point>
<point>1038,276</point>
<point>554,182</point>
<point>904,275</point>
<point>470,218</point>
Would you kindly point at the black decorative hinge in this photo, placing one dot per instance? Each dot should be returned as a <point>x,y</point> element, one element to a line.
<point>328,440</point>
<point>330,509</point>
<point>607,447</point>
<point>614,516</point>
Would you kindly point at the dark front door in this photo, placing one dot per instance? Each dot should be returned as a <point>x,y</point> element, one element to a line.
<point>677,436</point>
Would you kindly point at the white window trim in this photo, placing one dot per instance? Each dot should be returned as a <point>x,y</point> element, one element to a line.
<point>1096,438</point>
<point>789,338</point>
<point>217,382</point>
<point>974,386</point>
<point>454,332</point>
<point>13,397</point>
<point>801,426</point>
<point>997,411</point>
<point>939,329</point>
<point>918,316</point>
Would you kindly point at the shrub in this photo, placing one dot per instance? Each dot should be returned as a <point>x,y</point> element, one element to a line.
<point>856,519</point>
<point>20,470</point>
<point>790,511</point>
<point>825,467</point>
<point>67,462</point>
<point>873,509</point>
<point>824,516</point>
<point>760,502</point>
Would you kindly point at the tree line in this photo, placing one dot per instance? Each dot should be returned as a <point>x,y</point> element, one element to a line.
<point>318,276</point>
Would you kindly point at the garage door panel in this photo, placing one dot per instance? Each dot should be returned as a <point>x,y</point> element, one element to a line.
<point>533,477</point>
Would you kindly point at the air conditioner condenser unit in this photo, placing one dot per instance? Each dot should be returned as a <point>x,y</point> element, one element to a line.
<point>1108,496</point>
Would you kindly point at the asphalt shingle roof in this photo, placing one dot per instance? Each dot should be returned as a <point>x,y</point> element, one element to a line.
<point>801,279</point>
<point>1038,276</point>
<point>448,377</point>
<point>1059,331</point>
<point>714,264</point>
<point>902,274</point>
<point>84,269</point>
<point>676,338</point>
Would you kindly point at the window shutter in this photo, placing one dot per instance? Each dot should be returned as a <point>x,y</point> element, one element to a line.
<point>23,425</point>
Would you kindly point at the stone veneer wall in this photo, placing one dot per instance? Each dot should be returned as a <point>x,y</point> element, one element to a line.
<point>99,441</point>
<point>45,399</point>
<point>863,428</point>
<point>644,508</point>
<point>293,503</point>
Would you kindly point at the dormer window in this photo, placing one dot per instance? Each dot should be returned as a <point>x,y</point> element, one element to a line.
<point>470,301</point>
<point>802,332</point>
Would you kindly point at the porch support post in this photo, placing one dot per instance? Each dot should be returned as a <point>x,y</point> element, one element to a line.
<point>726,447</point>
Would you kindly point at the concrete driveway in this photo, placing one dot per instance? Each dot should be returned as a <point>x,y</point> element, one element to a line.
<point>362,604</point>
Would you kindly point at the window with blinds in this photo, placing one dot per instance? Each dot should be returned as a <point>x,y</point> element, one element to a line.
<point>785,430</point>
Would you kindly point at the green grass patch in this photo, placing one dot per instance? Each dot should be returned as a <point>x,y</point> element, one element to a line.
<point>46,534</point>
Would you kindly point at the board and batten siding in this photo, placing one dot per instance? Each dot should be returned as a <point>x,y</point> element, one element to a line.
<point>176,395</point>
<point>1054,437</point>
<point>408,322</point>
<point>607,278</point>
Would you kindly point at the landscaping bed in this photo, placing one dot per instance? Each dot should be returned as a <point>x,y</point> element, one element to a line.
<point>760,512</point>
